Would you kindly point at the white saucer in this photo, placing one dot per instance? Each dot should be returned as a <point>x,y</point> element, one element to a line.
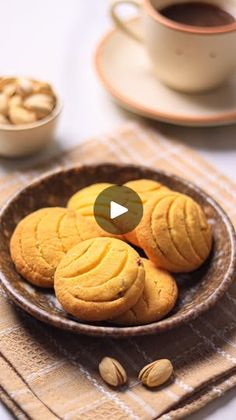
<point>123,67</point>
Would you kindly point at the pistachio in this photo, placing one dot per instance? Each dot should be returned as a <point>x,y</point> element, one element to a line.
<point>24,86</point>
<point>43,87</point>
<point>112,372</point>
<point>41,103</point>
<point>156,373</point>
<point>25,100</point>
<point>19,115</point>
<point>15,101</point>
<point>3,119</point>
<point>10,89</point>
<point>3,104</point>
<point>5,81</point>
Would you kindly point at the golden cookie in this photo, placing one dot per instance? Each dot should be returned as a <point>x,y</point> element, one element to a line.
<point>99,279</point>
<point>86,195</point>
<point>158,298</point>
<point>145,188</point>
<point>174,232</point>
<point>41,239</point>
<point>83,202</point>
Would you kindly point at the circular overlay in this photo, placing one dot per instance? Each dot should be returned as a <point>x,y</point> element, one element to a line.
<point>118,210</point>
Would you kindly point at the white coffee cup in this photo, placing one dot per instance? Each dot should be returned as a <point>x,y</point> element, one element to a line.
<point>186,58</point>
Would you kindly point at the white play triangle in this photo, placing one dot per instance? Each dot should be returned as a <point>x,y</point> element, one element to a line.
<point>117,210</point>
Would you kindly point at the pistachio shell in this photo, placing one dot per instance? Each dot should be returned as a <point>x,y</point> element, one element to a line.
<point>3,104</point>
<point>24,101</point>
<point>41,103</point>
<point>112,372</point>
<point>3,119</point>
<point>156,373</point>
<point>4,81</point>
<point>15,101</point>
<point>24,86</point>
<point>19,115</point>
<point>10,89</point>
<point>43,87</point>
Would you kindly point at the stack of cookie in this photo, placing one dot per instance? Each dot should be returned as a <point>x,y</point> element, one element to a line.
<point>99,276</point>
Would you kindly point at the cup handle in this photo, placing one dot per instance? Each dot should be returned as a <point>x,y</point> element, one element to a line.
<point>122,24</point>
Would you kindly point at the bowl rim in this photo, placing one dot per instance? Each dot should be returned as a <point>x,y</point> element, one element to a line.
<point>115,331</point>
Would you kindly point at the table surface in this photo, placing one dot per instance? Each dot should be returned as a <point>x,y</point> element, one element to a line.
<point>55,40</point>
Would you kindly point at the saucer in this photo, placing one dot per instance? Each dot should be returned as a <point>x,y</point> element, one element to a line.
<point>124,69</point>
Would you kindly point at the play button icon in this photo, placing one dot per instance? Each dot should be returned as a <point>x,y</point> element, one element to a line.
<point>118,210</point>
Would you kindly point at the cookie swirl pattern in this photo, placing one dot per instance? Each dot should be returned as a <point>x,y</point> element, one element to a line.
<point>174,232</point>
<point>83,203</point>
<point>146,189</point>
<point>41,239</point>
<point>99,278</point>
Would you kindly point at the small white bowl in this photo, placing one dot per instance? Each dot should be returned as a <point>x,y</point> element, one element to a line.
<point>26,139</point>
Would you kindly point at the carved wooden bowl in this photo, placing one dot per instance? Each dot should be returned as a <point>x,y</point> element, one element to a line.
<point>198,291</point>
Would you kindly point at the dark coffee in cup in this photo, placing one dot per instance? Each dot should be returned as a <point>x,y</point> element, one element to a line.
<point>198,14</point>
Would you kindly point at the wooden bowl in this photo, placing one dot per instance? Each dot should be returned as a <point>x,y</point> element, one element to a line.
<point>198,291</point>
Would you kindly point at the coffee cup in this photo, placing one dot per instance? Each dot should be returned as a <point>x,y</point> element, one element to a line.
<point>188,58</point>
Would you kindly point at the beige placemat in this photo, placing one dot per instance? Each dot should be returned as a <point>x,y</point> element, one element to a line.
<point>47,373</point>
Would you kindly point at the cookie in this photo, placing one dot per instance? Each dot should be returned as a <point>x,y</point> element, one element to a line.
<point>157,300</point>
<point>83,202</point>
<point>86,196</point>
<point>99,279</point>
<point>145,188</point>
<point>174,232</point>
<point>41,239</point>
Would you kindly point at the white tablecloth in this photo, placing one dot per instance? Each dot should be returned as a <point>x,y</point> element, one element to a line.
<point>55,40</point>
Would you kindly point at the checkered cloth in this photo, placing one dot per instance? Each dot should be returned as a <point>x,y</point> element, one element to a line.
<point>46,373</point>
